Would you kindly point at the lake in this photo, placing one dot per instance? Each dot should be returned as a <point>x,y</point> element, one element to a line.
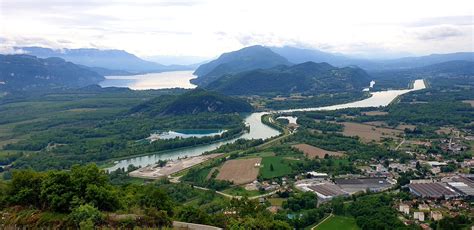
<point>260,130</point>
<point>164,80</point>
<point>257,130</point>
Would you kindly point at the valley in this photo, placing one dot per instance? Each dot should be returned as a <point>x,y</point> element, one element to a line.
<point>306,145</point>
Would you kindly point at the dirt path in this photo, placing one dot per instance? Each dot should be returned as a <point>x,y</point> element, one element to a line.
<point>399,145</point>
<point>314,227</point>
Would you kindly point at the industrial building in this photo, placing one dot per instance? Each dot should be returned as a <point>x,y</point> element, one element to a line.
<point>373,184</point>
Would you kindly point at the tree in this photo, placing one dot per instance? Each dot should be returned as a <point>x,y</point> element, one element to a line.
<point>84,215</point>
<point>152,197</point>
<point>193,215</point>
<point>157,217</point>
<point>103,197</point>
<point>271,167</point>
<point>56,191</point>
<point>301,201</point>
<point>83,176</point>
<point>337,206</point>
<point>25,188</point>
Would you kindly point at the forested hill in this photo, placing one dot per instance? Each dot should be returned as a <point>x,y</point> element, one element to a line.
<point>25,72</point>
<point>193,102</point>
<point>306,77</point>
<point>248,58</point>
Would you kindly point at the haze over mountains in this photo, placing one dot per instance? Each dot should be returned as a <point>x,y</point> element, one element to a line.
<point>25,71</point>
<point>250,70</point>
<point>108,59</point>
<point>261,70</point>
<point>300,55</point>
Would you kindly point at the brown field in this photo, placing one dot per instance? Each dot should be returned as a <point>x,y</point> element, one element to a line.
<point>315,152</point>
<point>444,130</point>
<point>403,127</point>
<point>240,171</point>
<point>368,133</point>
<point>81,110</point>
<point>375,113</point>
<point>471,102</point>
<point>376,123</point>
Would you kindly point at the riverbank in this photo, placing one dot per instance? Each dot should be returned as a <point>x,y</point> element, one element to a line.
<point>260,130</point>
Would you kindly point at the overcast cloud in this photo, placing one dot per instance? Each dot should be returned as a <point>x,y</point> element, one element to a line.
<point>209,27</point>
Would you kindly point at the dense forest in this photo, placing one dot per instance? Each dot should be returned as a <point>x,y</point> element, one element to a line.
<point>307,77</point>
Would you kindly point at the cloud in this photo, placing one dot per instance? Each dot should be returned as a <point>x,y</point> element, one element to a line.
<point>64,41</point>
<point>452,20</point>
<point>210,27</point>
<point>440,33</point>
<point>11,50</point>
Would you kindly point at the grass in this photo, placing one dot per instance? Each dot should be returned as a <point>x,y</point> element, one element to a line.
<point>281,167</point>
<point>338,222</point>
<point>240,191</point>
<point>259,154</point>
<point>276,201</point>
<point>203,173</point>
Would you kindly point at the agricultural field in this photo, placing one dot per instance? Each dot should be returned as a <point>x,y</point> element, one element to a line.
<point>276,201</point>
<point>315,152</point>
<point>375,113</point>
<point>240,171</point>
<point>339,223</point>
<point>369,133</point>
<point>471,102</point>
<point>276,166</point>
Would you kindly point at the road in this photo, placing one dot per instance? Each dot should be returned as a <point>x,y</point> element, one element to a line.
<point>237,197</point>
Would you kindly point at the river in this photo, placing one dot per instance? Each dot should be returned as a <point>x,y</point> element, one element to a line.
<point>260,130</point>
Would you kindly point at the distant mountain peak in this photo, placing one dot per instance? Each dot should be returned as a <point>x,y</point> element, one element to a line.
<point>248,58</point>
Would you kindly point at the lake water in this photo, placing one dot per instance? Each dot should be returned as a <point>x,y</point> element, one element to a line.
<point>260,130</point>
<point>165,80</point>
<point>257,130</point>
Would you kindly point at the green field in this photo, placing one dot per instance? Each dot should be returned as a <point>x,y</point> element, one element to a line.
<point>276,201</point>
<point>339,223</point>
<point>281,167</point>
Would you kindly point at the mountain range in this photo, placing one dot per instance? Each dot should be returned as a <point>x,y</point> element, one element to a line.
<point>300,55</point>
<point>260,57</point>
<point>26,71</point>
<point>108,60</point>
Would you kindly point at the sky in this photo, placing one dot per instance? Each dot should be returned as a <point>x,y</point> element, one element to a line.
<point>207,28</point>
